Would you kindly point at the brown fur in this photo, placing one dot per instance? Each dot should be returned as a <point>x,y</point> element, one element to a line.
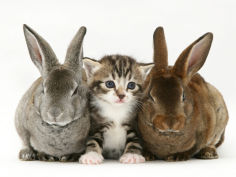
<point>182,115</point>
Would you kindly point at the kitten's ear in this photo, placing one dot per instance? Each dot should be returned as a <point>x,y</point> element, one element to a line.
<point>145,69</point>
<point>91,66</point>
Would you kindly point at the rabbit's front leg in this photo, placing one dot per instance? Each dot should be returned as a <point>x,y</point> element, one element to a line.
<point>207,153</point>
<point>182,156</point>
<point>149,156</point>
<point>45,157</point>
<point>178,157</point>
<point>27,153</point>
<point>70,158</point>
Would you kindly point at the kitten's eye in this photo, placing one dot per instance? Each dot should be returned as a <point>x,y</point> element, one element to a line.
<point>110,84</point>
<point>131,85</point>
<point>75,91</point>
<point>183,97</point>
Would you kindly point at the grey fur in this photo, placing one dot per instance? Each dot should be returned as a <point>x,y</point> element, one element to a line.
<point>52,117</point>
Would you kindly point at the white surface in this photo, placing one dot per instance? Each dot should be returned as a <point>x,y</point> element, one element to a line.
<point>124,27</point>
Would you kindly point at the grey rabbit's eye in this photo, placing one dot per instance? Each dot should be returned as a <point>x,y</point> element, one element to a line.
<point>75,91</point>
<point>43,91</point>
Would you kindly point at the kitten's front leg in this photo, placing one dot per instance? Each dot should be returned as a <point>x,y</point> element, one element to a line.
<point>133,149</point>
<point>93,153</point>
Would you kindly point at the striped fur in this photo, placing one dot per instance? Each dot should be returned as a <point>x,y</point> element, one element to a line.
<point>113,125</point>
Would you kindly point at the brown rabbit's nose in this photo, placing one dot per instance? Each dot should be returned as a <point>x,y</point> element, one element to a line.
<point>169,123</point>
<point>121,96</point>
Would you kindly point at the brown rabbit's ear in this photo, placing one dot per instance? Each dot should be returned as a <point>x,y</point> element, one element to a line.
<point>160,49</point>
<point>193,57</point>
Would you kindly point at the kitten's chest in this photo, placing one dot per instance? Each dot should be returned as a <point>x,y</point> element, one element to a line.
<point>114,141</point>
<point>115,135</point>
<point>118,115</point>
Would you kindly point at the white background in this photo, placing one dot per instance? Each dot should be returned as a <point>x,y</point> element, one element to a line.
<point>124,27</point>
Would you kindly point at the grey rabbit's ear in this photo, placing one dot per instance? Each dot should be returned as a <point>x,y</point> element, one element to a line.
<point>40,51</point>
<point>193,57</point>
<point>160,50</point>
<point>74,53</point>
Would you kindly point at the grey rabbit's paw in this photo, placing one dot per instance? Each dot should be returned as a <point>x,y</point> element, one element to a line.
<point>65,158</point>
<point>45,157</point>
<point>27,155</point>
<point>70,158</point>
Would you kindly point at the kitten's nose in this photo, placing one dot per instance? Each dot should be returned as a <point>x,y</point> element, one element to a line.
<point>121,96</point>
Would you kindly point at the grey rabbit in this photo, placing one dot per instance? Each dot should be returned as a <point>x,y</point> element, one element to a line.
<point>52,117</point>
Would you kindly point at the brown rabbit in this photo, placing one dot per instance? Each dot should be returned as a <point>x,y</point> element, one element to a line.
<point>183,116</point>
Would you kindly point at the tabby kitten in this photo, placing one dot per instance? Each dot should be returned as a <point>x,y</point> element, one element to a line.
<point>116,87</point>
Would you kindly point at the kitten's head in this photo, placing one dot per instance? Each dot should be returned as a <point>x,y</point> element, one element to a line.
<point>116,79</point>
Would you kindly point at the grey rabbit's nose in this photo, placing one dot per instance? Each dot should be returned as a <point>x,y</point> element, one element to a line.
<point>54,113</point>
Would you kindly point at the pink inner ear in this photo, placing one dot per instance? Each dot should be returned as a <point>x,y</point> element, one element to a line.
<point>35,47</point>
<point>89,68</point>
<point>37,52</point>
<point>195,55</point>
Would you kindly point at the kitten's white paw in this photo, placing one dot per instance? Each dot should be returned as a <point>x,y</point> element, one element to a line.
<point>91,158</point>
<point>132,158</point>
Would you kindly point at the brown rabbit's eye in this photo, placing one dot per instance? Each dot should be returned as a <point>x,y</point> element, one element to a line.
<point>183,96</point>
<point>75,91</point>
<point>150,96</point>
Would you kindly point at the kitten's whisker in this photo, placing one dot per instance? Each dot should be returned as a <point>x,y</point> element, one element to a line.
<point>140,105</point>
